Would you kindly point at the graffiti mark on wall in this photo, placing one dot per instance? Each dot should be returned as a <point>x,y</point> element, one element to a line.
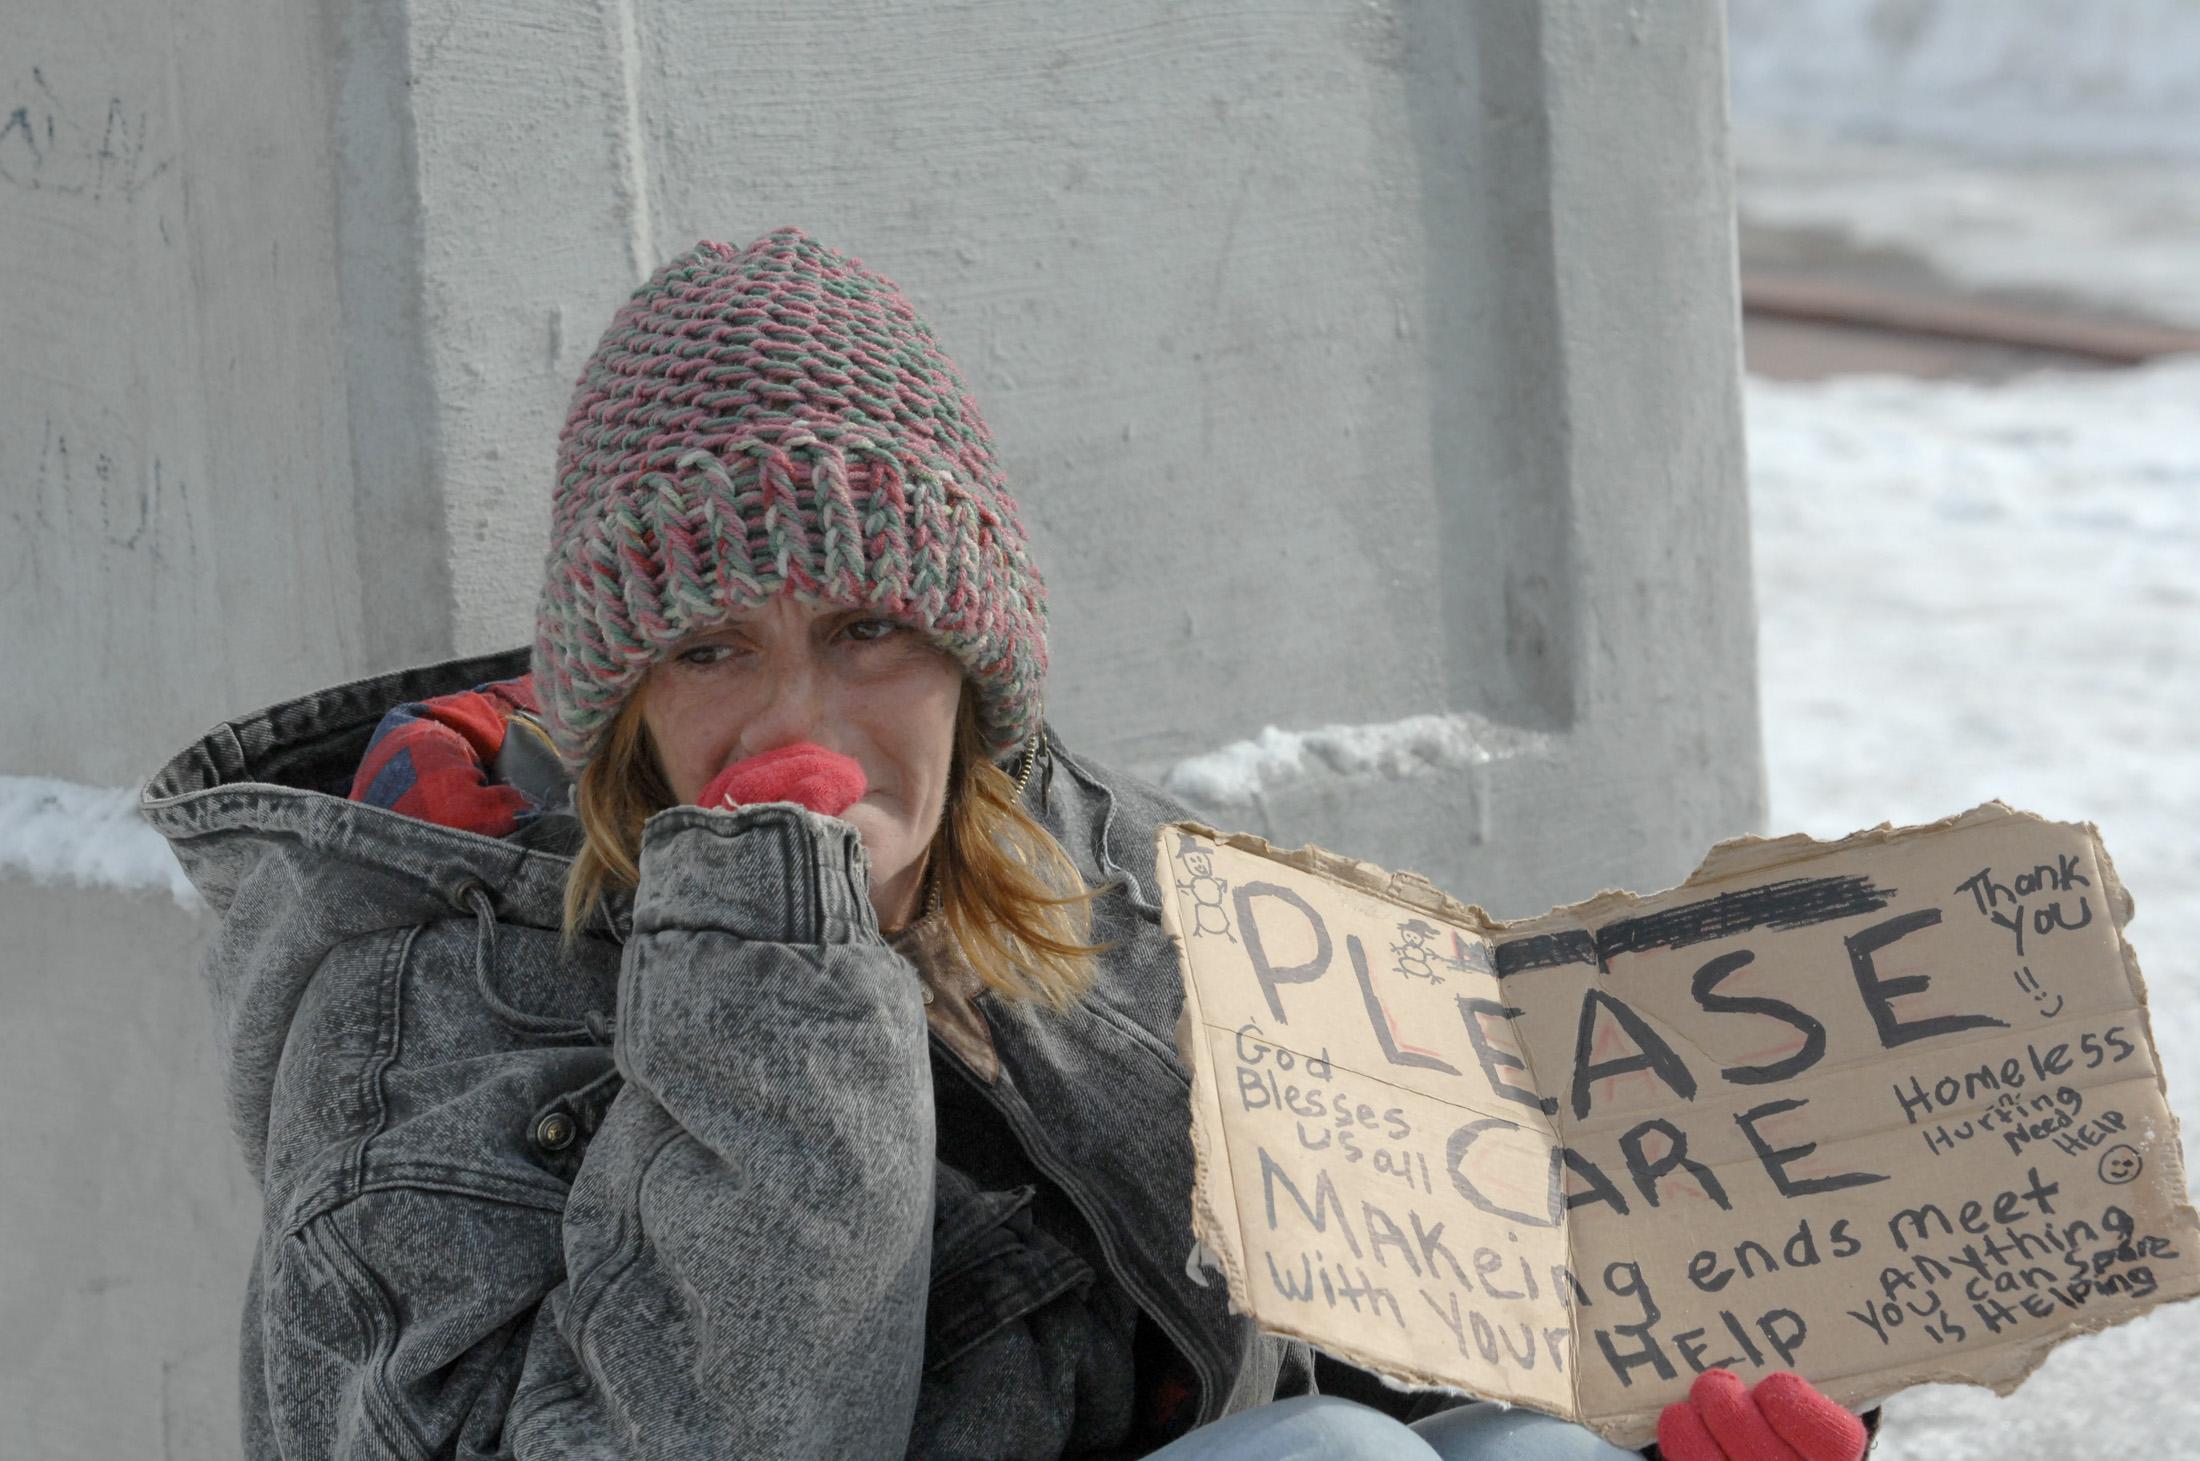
<point>91,499</point>
<point>93,147</point>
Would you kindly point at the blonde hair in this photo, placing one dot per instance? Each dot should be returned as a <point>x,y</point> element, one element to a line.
<point>1017,906</point>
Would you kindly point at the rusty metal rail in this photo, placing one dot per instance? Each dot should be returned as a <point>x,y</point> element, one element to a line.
<point>1994,322</point>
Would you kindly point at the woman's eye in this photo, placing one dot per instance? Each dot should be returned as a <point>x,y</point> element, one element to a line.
<point>869,631</point>
<point>703,655</point>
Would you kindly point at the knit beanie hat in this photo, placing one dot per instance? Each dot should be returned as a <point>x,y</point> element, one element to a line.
<point>776,419</point>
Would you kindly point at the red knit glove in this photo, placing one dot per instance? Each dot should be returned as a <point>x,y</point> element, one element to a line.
<point>1783,1419</point>
<point>826,782</point>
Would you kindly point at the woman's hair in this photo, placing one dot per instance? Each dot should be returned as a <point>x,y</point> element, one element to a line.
<point>1016,905</point>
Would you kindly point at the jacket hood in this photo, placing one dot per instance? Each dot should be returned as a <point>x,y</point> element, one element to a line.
<point>278,782</point>
<point>258,813</point>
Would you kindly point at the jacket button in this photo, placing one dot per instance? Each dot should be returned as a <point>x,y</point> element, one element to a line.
<point>926,991</point>
<point>555,1132</point>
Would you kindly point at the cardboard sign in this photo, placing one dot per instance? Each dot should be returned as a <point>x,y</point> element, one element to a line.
<point>1879,1111</point>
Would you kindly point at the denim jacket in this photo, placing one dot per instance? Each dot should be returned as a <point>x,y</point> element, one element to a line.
<point>671,1192</point>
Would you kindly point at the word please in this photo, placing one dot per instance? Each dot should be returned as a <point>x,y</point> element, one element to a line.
<point>1261,905</point>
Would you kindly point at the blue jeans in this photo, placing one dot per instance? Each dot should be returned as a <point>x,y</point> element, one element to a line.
<point>1325,1428</point>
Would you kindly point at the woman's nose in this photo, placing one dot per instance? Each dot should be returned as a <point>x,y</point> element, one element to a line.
<point>792,708</point>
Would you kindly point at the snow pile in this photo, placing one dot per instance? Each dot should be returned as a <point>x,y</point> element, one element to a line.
<point>2014,78</point>
<point>1971,592</point>
<point>58,832</point>
<point>1242,773</point>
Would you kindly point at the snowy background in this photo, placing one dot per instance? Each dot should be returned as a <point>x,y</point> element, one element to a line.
<point>1993,590</point>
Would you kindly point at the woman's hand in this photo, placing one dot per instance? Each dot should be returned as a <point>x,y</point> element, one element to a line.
<point>807,774</point>
<point>1783,1419</point>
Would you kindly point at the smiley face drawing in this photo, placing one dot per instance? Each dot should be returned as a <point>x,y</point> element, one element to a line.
<point>2120,1164</point>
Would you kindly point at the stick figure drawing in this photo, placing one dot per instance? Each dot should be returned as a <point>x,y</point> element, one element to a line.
<point>1210,914</point>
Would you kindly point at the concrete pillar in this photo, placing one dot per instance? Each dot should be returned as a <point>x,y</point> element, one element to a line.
<point>1366,372</point>
<point>1584,611</point>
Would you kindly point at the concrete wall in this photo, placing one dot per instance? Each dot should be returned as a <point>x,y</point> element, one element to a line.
<point>174,465</point>
<point>1364,365</point>
<point>126,1216</point>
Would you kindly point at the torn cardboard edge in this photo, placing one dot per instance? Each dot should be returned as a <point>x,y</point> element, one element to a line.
<point>1728,858</point>
<point>1218,1221</point>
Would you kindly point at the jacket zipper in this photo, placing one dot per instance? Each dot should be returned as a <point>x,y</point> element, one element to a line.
<point>1042,1157</point>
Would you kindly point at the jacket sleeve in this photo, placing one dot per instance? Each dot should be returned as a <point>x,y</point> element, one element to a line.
<point>741,1264</point>
<point>748,1243</point>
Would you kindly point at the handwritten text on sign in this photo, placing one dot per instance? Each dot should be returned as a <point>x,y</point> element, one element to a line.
<point>1872,1111</point>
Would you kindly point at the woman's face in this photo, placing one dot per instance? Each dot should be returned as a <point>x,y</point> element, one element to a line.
<point>851,681</point>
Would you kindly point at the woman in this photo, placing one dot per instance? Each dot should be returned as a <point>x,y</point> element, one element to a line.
<point>740,1031</point>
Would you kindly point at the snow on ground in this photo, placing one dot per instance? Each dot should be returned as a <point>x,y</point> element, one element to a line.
<point>1970,592</point>
<point>58,832</point>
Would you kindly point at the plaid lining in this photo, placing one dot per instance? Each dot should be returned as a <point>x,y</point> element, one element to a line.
<point>431,759</point>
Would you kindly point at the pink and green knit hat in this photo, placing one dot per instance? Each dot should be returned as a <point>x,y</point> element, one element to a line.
<point>766,420</point>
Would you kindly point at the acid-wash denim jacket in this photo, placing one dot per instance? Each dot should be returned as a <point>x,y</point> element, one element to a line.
<point>668,1197</point>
